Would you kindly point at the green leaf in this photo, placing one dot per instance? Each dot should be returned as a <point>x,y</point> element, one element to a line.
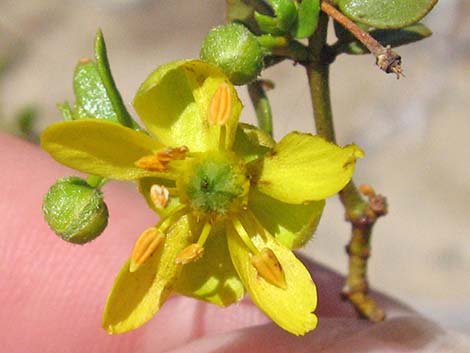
<point>66,111</point>
<point>307,18</point>
<point>286,13</point>
<point>102,65</point>
<point>285,16</point>
<point>92,101</point>
<point>392,37</point>
<point>268,24</point>
<point>386,13</point>
<point>241,12</point>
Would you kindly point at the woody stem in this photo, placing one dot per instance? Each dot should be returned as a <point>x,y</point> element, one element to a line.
<point>359,212</point>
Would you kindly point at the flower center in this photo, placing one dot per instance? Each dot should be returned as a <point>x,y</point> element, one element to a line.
<point>215,182</point>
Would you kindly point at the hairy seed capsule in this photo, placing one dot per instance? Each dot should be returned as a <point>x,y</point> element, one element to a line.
<point>235,50</point>
<point>75,210</point>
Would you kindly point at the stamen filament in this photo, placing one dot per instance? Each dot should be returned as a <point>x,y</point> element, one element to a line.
<point>205,233</point>
<point>222,137</point>
<point>169,220</point>
<point>244,235</point>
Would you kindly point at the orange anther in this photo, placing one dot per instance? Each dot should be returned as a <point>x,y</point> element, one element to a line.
<point>191,253</point>
<point>220,107</point>
<point>145,246</point>
<point>268,267</point>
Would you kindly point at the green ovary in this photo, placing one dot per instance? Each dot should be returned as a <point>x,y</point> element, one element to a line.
<point>215,183</point>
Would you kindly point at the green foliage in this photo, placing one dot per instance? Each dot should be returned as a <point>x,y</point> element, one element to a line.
<point>239,11</point>
<point>97,96</point>
<point>385,13</point>
<point>391,37</point>
<point>291,18</point>
<point>307,19</point>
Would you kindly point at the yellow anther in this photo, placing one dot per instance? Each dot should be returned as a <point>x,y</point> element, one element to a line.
<point>159,196</point>
<point>145,246</point>
<point>159,162</point>
<point>189,254</point>
<point>151,163</point>
<point>170,153</point>
<point>220,107</point>
<point>268,267</point>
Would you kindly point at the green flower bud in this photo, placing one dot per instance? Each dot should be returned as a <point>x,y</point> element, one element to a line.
<point>235,50</point>
<point>75,210</point>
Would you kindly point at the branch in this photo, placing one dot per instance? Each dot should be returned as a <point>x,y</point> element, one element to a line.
<point>386,59</point>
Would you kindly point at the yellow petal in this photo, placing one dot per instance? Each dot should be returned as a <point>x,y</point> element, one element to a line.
<point>174,101</point>
<point>137,296</point>
<point>291,308</point>
<point>305,168</point>
<point>292,224</point>
<point>213,278</point>
<point>99,147</point>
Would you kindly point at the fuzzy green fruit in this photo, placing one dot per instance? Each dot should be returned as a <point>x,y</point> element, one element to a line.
<point>75,211</point>
<point>235,50</point>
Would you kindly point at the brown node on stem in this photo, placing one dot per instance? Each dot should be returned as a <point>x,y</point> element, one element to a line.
<point>389,61</point>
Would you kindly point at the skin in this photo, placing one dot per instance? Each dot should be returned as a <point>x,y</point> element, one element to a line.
<point>52,293</point>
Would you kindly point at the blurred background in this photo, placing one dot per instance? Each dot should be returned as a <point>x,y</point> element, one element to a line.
<point>414,130</point>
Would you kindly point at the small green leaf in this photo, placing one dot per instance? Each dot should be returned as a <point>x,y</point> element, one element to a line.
<point>286,13</point>
<point>241,12</point>
<point>102,65</point>
<point>66,111</point>
<point>96,94</point>
<point>386,13</point>
<point>307,18</point>
<point>268,24</point>
<point>285,16</point>
<point>92,101</point>
<point>392,37</point>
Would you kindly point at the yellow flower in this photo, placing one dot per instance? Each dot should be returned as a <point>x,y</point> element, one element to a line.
<point>232,202</point>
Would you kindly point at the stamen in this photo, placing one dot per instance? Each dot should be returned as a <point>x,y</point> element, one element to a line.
<point>159,162</point>
<point>195,251</point>
<point>145,246</point>
<point>269,268</point>
<point>159,196</point>
<point>244,235</point>
<point>151,163</point>
<point>189,254</point>
<point>170,153</point>
<point>205,233</point>
<point>220,107</point>
<point>177,212</point>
